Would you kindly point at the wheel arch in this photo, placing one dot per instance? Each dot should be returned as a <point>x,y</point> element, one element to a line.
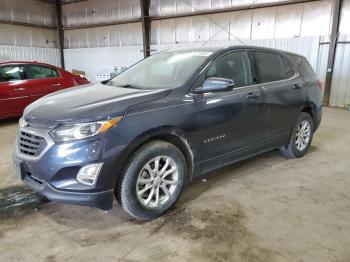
<point>310,108</point>
<point>169,134</point>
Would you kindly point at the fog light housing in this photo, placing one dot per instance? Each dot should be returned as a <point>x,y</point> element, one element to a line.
<point>88,174</point>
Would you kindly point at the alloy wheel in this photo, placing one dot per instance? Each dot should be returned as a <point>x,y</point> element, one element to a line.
<point>157,182</point>
<point>303,134</point>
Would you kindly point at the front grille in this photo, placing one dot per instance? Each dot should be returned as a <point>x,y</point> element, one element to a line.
<point>30,144</point>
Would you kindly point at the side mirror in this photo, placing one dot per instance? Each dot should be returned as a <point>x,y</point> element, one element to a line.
<point>215,84</point>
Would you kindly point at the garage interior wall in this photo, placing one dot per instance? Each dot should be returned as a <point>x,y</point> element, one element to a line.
<point>340,91</point>
<point>93,49</point>
<point>28,31</point>
<point>302,27</point>
<point>101,34</point>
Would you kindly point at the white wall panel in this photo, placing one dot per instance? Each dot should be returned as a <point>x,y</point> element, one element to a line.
<point>29,11</point>
<point>316,18</point>
<point>306,46</point>
<point>172,7</point>
<point>241,23</point>
<point>183,30</point>
<point>263,26</point>
<point>288,21</point>
<point>321,69</point>
<point>23,53</point>
<point>99,11</point>
<point>167,31</point>
<point>340,92</point>
<point>27,36</point>
<point>93,60</point>
<point>219,27</point>
<point>115,35</point>
<point>344,27</point>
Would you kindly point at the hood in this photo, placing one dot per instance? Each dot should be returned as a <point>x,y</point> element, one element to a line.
<point>88,103</point>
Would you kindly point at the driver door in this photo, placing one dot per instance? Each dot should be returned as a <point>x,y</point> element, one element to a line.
<point>233,123</point>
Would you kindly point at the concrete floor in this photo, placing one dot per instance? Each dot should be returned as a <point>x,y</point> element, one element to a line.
<point>268,208</point>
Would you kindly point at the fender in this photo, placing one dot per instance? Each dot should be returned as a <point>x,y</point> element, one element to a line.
<point>171,134</point>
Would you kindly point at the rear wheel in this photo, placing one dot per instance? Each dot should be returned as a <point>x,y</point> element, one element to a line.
<point>152,180</point>
<point>301,137</point>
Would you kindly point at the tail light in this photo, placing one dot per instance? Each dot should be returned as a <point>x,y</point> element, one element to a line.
<point>320,84</point>
<point>81,79</point>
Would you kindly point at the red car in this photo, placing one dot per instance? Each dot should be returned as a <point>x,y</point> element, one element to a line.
<point>21,83</point>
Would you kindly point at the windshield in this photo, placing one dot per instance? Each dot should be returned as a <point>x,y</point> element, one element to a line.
<point>162,70</point>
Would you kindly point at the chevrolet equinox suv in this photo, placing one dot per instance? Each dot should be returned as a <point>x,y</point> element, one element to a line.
<point>164,121</point>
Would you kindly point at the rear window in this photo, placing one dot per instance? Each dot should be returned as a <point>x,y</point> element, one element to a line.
<point>302,65</point>
<point>271,67</point>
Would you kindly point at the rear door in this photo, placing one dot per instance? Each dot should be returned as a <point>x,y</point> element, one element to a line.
<point>41,80</point>
<point>285,91</point>
<point>13,98</point>
<point>232,123</point>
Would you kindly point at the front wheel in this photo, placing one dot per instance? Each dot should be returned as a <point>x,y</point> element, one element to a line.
<point>152,180</point>
<point>301,137</point>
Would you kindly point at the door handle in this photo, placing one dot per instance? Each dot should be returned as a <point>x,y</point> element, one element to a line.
<point>19,89</point>
<point>297,86</point>
<point>57,84</point>
<point>252,96</point>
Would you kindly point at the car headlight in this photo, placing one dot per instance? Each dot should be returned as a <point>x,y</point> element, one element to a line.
<point>71,132</point>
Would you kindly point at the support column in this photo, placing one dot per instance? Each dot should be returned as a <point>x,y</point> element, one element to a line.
<point>60,31</point>
<point>146,27</point>
<point>332,49</point>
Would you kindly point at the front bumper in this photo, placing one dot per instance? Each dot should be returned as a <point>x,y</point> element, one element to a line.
<point>53,173</point>
<point>102,199</point>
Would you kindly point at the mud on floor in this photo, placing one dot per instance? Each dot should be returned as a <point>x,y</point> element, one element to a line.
<point>221,233</point>
<point>18,201</point>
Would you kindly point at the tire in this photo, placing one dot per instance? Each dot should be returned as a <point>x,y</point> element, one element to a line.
<point>294,149</point>
<point>139,174</point>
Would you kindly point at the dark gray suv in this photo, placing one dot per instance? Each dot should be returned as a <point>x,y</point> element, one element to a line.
<point>164,121</point>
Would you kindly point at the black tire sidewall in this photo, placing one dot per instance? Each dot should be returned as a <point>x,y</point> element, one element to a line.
<point>303,116</point>
<point>132,170</point>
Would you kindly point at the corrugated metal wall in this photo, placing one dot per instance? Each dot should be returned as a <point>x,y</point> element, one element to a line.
<point>107,46</point>
<point>27,36</point>
<point>310,47</point>
<point>93,60</point>
<point>18,42</point>
<point>99,11</point>
<point>340,92</point>
<point>301,27</point>
<point>298,20</point>
<point>24,53</point>
<point>106,36</point>
<point>28,11</point>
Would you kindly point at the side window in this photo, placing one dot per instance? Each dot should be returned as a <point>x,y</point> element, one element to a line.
<point>10,73</point>
<point>302,66</point>
<point>234,66</point>
<point>55,73</point>
<point>37,72</point>
<point>270,67</point>
<point>288,69</point>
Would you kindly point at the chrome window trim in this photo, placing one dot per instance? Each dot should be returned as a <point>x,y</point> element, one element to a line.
<point>233,91</point>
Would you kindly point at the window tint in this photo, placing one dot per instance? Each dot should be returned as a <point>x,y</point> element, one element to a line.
<point>288,69</point>
<point>270,67</point>
<point>302,65</point>
<point>37,72</point>
<point>234,66</point>
<point>9,73</point>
